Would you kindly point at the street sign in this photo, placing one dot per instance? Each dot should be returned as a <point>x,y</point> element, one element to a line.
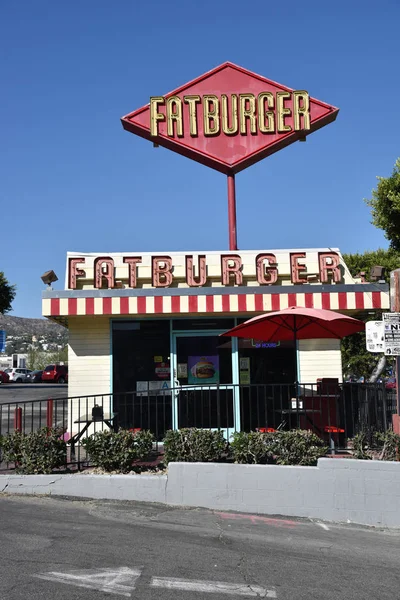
<point>391,323</point>
<point>2,341</point>
<point>374,336</point>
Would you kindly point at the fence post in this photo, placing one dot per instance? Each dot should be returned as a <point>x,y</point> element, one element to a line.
<point>18,419</point>
<point>49,413</point>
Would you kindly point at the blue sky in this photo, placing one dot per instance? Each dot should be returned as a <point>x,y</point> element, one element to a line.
<point>73,179</point>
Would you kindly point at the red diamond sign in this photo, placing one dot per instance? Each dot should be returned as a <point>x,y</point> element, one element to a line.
<point>229,118</point>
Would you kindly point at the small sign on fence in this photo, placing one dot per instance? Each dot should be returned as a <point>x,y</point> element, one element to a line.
<point>374,336</point>
<point>391,324</point>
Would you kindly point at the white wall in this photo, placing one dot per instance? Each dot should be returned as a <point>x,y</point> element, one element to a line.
<point>319,358</point>
<point>89,363</point>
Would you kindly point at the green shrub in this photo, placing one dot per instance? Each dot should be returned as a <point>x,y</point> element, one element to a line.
<point>388,444</point>
<point>194,445</point>
<point>37,452</point>
<point>298,447</point>
<point>252,448</point>
<point>117,451</point>
<point>376,445</point>
<point>361,446</point>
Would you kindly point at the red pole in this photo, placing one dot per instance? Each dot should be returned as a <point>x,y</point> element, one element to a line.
<point>49,414</point>
<point>18,419</point>
<point>232,213</point>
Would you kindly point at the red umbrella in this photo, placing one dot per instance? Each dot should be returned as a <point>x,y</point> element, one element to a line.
<point>296,323</point>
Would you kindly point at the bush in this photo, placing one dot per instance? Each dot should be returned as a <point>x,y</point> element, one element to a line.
<point>252,448</point>
<point>37,452</point>
<point>388,444</point>
<point>298,447</point>
<point>377,445</point>
<point>117,451</point>
<point>361,446</point>
<point>194,445</point>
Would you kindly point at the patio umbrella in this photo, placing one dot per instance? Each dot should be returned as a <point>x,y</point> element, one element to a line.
<point>296,323</point>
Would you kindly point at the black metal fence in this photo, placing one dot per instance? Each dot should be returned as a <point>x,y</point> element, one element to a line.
<point>333,411</point>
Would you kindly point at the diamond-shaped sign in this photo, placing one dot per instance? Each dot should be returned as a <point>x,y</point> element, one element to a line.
<point>229,118</point>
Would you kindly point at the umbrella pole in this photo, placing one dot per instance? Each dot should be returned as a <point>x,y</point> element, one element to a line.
<point>297,370</point>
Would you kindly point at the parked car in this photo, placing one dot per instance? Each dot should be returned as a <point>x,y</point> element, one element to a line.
<point>18,375</point>
<point>4,378</point>
<point>35,377</point>
<point>55,373</point>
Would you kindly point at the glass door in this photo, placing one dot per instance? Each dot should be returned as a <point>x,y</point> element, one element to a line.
<point>203,367</point>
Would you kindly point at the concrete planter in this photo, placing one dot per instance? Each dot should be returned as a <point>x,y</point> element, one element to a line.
<point>340,490</point>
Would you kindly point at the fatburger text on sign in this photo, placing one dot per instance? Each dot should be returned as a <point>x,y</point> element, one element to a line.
<point>265,269</point>
<point>243,113</point>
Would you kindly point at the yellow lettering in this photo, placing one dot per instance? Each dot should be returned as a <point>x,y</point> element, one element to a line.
<point>211,114</point>
<point>298,110</point>
<point>266,119</point>
<point>155,116</point>
<point>282,111</point>
<point>174,113</point>
<point>225,114</point>
<point>247,113</point>
<point>192,101</point>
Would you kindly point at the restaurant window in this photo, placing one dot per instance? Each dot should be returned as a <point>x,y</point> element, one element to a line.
<point>141,375</point>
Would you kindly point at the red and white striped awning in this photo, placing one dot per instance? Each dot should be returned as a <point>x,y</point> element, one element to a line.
<point>119,303</point>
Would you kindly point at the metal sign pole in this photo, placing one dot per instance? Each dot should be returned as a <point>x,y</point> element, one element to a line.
<point>232,213</point>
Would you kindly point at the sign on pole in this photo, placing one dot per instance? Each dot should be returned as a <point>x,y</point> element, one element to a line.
<point>374,336</point>
<point>2,341</point>
<point>391,323</point>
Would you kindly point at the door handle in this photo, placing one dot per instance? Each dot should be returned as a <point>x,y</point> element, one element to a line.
<point>177,386</point>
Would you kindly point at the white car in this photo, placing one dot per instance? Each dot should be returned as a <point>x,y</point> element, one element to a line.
<point>18,375</point>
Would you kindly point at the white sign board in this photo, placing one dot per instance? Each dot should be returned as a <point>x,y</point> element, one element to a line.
<point>374,336</point>
<point>391,323</point>
<point>153,388</point>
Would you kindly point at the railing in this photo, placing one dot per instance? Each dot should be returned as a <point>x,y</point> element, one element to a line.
<point>331,411</point>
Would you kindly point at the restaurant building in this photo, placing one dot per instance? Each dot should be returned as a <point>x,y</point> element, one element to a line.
<point>146,326</point>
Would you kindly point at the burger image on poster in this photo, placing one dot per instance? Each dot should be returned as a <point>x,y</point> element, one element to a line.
<point>203,370</point>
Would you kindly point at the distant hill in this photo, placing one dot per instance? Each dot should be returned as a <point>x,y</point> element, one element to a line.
<point>21,327</point>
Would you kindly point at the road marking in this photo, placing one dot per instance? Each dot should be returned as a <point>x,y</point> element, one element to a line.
<point>323,526</point>
<point>256,519</point>
<point>212,587</point>
<point>120,581</point>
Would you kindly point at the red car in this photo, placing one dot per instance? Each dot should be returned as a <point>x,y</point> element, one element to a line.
<point>55,373</point>
<point>4,378</point>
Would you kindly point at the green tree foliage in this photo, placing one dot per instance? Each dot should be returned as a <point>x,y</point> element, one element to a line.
<point>385,206</point>
<point>389,259</point>
<point>7,294</point>
<point>356,360</point>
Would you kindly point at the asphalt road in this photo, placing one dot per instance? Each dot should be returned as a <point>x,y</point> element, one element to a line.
<point>76,550</point>
<point>33,412</point>
<point>18,392</point>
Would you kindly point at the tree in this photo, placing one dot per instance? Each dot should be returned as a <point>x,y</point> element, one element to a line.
<point>389,259</point>
<point>385,206</point>
<point>7,294</point>
<point>356,360</point>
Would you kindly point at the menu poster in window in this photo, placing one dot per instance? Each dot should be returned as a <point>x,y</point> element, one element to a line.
<point>203,369</point>
<point>162,370</point>
<point>244,372</point>
<point>182,370</point>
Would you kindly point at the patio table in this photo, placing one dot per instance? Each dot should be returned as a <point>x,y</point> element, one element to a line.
<point>88,420</point>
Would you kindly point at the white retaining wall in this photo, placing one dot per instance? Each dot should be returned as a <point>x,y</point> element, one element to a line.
<point>341,490</point>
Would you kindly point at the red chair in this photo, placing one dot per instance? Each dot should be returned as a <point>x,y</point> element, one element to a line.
<point>332,429</point>
<point>265,429</point>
